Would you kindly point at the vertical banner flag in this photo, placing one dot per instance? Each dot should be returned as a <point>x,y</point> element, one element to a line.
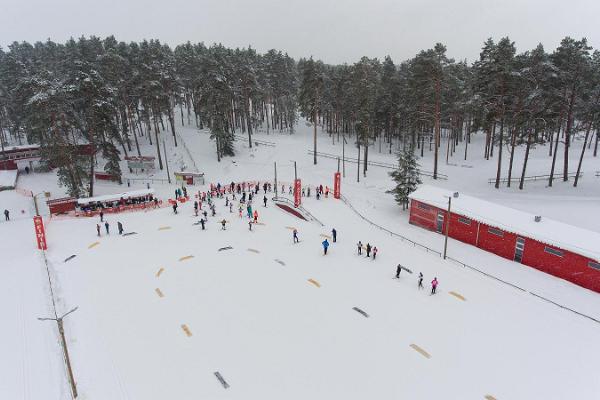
<point>40,234</point>
<point>337,182</point>
<point>297,192</point>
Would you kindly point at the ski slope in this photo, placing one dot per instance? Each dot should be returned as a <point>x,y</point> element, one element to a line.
<point>276,319</point>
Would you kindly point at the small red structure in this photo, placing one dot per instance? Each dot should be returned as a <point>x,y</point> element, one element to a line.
<point>189,178</point>
<point>40,233</point>
<point>559,249</point>
<point>62,205</point>
<point>105,176</point>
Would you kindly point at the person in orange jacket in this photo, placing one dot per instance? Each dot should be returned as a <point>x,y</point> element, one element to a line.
<point>255,216</point>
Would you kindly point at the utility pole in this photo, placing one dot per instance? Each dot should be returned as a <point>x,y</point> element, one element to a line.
<point>166,161</point>
<point>343,156</point>
<point>447,226</point>
<point>275,164</point>
<point>338,165</point>
<point>295,172</point>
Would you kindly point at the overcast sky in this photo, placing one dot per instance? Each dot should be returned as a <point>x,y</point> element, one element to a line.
<point>334,31</point>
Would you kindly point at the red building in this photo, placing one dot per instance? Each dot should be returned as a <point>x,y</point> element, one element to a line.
<point>559,249</point>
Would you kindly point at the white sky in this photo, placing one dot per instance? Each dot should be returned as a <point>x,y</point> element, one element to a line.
<point>334,31</point>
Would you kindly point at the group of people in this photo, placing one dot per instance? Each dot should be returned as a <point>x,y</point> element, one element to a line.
<point>114,204</point>
<point>434,282</point>
<point>107,226</point>
<point>368,249</point>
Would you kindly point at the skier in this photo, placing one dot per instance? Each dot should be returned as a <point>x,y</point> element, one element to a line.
<point>290,192</point>
<point>434,284</point>
<point>101,216</point>
<point>240,211</point>
<point>6,215</point>
<point>250,225</point>
<point>212,209</point>
<point>202,222</point>
<point>205,215</point>
<point>318,195</point>
<point>374,252</point>
<point>184,192</point>
<point>231,207</point>
<point>303,192</point>
<point>308,192</point>
<point>334,234</point>
<point>368,250</point>
<point>265,200</point>
<point>255,216</point>
<point>420,280</point>
<point>296,240</point>
<point>360,246</point>
<point>196,208</point>
<point>107,227</point>
<point>120,227</point>
<point>226,201</point>
<point>398,270</point>
<point>325,246</point>
<point>98,229</point>
<point>175,208</point>
<point>223,222</point>
<point>176,194</point>
<point>249,210</point>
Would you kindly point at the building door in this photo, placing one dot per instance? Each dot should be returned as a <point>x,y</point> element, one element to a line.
<point>519,247</point>
<point>440,222</point>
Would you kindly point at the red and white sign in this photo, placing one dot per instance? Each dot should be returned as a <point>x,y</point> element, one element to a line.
<point>40,234</point>
<point>297,192</point>
<point>337,184</point>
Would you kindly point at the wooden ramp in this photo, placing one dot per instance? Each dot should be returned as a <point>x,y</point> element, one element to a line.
<point>458,296</point>
<point>91,246</point>
<point>420,350</point>
<point>317,284</point>
<point>185,258</point>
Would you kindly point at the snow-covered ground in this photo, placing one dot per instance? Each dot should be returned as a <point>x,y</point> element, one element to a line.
<point>8,179</point>
<point>253,315</point>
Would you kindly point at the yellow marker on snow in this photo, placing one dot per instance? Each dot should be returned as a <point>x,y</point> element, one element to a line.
<point>159,292</point>
<point>458,296</point>
<point>187,331</point>
<point>317,284</point>
<point>420,350</point>
<point>164,228</point>
<point>160,271</point>
<point>185,258</point>
<point>291,228</point>
<point>489,397</point>
<point>93,245</point>
<point>325,236</point>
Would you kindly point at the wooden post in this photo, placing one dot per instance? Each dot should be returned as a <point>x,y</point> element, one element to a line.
<point>447,227</point>
<point>61,330</point>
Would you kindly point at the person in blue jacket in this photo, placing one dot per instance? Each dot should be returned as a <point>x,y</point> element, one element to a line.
<point>325,246</point>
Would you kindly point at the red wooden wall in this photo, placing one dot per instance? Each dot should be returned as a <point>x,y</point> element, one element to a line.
<point>571,266</point>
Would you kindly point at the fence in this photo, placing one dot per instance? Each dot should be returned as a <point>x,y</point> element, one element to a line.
<point>404,238</point>
<point>536,177</point>
<point>376,164</point>
<point>464,265</point>
<point>146,180</point>
<point>257,142</point>
<point>182,141</point>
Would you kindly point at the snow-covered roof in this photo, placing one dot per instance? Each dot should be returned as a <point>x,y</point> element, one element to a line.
<point>116,197</point>
<point>549,231</point>
<point>8,179</point>
<point>22,147</point>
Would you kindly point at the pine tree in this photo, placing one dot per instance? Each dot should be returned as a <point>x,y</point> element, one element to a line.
<point>406,177</point>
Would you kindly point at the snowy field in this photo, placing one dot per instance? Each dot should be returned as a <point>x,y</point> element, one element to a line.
<point>252,314</point>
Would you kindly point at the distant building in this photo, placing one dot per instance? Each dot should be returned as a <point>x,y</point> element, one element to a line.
<point>559,249</point>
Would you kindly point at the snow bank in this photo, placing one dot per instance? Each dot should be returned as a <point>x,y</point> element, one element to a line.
<point>8,179</point>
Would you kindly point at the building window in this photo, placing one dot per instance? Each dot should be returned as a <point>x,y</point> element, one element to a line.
<point>552,251</point>
<point>423,206</point>
<point>594,265</point>
<point>496,232</point>
<point>465,221</point>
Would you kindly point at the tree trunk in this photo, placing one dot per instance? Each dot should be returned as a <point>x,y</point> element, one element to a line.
<point>568,136</point>
<point>587,134</point>
<point>596,142</point>
<point>160,164</point>
<point>513,140</point>
<point>248,123</point>
<point>522,182</point>
<point>315,136</point>
<point>554,154</point>
<point>500,143</point>
<point>172,123</point>
<point>437,127</point>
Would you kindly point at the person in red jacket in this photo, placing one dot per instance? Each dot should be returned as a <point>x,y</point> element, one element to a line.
<point>434,284</point>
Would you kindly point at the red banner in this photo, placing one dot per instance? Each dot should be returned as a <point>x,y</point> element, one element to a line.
<point>40,234</point>
<point>337,183</point>
<point>297,192</point>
